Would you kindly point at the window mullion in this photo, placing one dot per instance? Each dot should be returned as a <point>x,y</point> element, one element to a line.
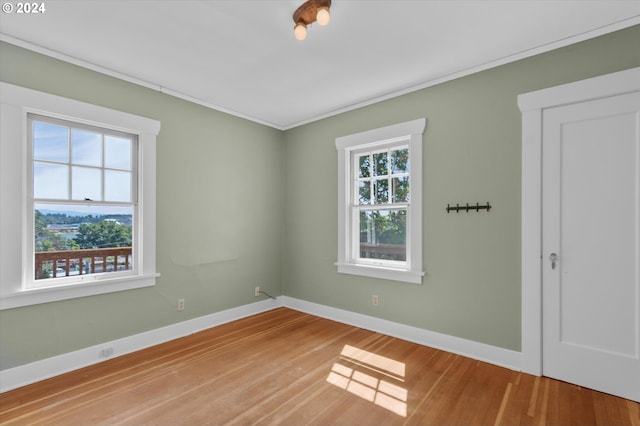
<point>390,206</point>
<point>135,179</point>
<point>69,164</point>
<point>102,168</point>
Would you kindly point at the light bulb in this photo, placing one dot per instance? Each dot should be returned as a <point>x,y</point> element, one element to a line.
<point>323,16</point>
<point>300,31</point>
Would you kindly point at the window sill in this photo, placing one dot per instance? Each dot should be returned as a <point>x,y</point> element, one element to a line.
<point>414,277</point>
<point>71,291</point>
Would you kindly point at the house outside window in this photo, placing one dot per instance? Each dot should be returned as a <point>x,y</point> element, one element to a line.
<point>77,198</point>
<point>380,202</point>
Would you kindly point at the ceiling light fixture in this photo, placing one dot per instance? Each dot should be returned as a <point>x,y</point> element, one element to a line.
<point>310,11</point>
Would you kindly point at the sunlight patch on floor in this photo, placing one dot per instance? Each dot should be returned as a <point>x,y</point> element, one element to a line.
<point>365,385</point>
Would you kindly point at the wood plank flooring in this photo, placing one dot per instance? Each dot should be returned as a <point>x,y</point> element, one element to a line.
<point>286,367</point>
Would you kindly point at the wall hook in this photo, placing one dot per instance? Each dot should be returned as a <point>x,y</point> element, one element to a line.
<point>468,207</point>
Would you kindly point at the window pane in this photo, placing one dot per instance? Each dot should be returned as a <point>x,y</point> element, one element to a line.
<point>86,148</point>
<point>76,239</point>
<point>365,166</point>
<point>400,161</point>
<point>380,164</point>
<point>383,234</point>
<point>86,183</point>
<point>381,188</point>
<point>50,143</point>
<point>50,181</point>
<point>400,189</point>
<point>117,153</point>
<point>364,191</point>
<point>117,186</point>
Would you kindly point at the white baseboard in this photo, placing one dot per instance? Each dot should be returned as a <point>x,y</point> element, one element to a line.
<point>22,375</point>
<point>16,377</point>
<point>480,351</point>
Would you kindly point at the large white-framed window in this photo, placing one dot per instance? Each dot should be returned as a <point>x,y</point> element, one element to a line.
<point>82,201</point>
<point>380,202</point>
<point>77,198</point>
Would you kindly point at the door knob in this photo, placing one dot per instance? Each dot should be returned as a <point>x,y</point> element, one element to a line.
<point>553,258</point>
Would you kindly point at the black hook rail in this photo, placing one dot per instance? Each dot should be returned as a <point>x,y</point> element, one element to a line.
<point>468,207</point>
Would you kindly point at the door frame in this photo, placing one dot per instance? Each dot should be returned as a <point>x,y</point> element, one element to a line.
<point>532,105</point>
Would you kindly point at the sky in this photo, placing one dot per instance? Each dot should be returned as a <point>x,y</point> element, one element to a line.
<point>79,164</point>
<point>94,210</point>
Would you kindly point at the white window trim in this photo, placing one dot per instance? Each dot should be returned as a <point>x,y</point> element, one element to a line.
<point>16,103</point>
<point>411,132</point>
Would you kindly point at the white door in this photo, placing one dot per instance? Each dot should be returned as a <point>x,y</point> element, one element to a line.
<point>591,244</point>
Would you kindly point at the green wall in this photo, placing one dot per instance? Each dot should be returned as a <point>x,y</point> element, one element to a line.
<point>219,196</point>
<point>471,154</point>
<point>283,236</point>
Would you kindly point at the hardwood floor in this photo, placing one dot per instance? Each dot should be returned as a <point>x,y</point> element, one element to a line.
<point>287,367</point>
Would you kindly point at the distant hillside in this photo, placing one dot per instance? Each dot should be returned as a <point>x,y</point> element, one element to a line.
<point>54,217</point>
<point>61,212</point>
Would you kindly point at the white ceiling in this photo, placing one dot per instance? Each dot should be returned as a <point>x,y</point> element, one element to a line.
<point>240,56</point>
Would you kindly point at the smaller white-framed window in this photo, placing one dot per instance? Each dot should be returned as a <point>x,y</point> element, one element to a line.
<point>380,202</point>
<point>109,166</point>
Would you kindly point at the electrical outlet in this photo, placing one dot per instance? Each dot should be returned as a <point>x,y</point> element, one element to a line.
<point>181,304</point>
<point>257,291</point>
<point>374,300</point>
<point>106,352</point>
